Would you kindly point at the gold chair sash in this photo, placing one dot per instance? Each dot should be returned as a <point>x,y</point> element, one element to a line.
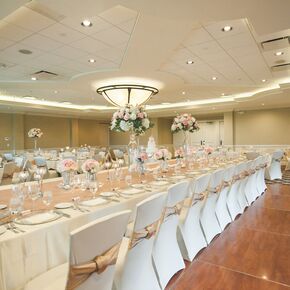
<point>146,233</point>
<point>173,210</point>
<point>78,274</point>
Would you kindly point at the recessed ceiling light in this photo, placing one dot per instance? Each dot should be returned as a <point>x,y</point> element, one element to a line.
<point>25,51</point>
<point>278,53</point>
<point>34,78</point>
<point>86,23</point>
<point>227,28</point>
<point>29,98</point>
<point>213,108</point>
<point>214,78</point>
<point>263,81</point>
<point>190,62</point>
<point>183,93</point>
<point>91,60</point>
<point>263,104</point>
<point>166,103</point>
<point>223,94</point>
<point>55,92</point>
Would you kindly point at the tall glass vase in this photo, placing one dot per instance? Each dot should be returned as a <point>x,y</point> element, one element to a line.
<point>35,144</point>
<point>186,147</point>
<point>132,148</point>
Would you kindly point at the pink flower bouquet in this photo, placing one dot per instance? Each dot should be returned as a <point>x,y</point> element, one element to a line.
<point>91,166</point>
<point>66,165</point>
<point>184,122</point>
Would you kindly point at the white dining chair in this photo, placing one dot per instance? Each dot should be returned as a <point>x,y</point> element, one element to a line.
<point>208,218</point>
<point>134,269</point>
<point>261,184</point>
<point>233,203</point>
<point>243,184</point>
<point>9,169</point>
<point>167,255</point>
<point>89,244</point>
<point>274,170</point>
<point>191,238</point>
<point>221,210</point>
<point>251,189</point>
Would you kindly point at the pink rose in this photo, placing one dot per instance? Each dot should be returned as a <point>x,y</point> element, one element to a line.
<point>126,117</point>
<point>140,115</point>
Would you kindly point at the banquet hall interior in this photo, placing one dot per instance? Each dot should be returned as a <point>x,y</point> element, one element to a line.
<point>144,145</point>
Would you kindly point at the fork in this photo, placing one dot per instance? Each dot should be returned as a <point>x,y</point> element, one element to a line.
<point>16,228</point>
<point>9,228</point>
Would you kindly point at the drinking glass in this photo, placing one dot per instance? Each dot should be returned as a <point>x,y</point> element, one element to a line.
<point>93,186</point>
<point>128,180</point>
<point>47,198</point>
<point>34,193</point>
<point>112,178</point>
<point>15,206</point>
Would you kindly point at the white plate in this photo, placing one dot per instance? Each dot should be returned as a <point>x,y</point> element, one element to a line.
<point>138,185</point>
<point>131,191</point>
<point>159,183</point>
<point>94,202</point>
<point>2,230</point>
<point>107,194</point>
<point>39,218</point>
<point>63,205</point>
<point>3,206</point>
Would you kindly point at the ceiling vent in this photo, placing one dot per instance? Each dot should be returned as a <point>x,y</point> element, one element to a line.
<point>281,67</point>
<point>45,75</point>
<point>276,43</point>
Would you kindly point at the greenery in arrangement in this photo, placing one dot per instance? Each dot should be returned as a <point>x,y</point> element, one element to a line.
<point>184,122</point>
<point>133,119</point>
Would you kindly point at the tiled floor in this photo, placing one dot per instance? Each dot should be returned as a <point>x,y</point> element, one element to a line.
<point>253,253</point>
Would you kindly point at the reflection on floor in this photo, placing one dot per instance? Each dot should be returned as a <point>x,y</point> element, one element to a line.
<point>253,253</point>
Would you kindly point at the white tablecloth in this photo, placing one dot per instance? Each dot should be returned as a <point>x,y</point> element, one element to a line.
<point>42,247</point>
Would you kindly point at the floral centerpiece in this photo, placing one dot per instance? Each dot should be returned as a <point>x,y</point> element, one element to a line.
<point>179,153</point>
<point>184,122</point>
<point>35,133</point>
<point>162,155</point>
<point>67,167</point>
<point>133,119</point>
<point>90,167</point>
<point>141,157</point>
<point>208,150</point>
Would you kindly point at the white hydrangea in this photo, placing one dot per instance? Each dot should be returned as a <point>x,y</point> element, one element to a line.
<point>146,123</point>
<point>124,126</point>
<point>133,116</point>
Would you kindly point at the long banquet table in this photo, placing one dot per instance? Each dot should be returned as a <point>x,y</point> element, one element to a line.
<point>42,247</point>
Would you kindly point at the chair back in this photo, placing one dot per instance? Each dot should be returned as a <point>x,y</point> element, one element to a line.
<point>277,155</point>
<point>149,210</point>
<point>177,193</point>
<point>216,179</point>
<point>94,239</point>
<point>200,184</point>
<point>229,173</point>
<point>40,161</point>
<point>8,156</point>
<point>8,169</point>
<point>19,160</point>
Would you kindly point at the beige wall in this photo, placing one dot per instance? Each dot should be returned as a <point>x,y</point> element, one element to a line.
<point>6,131</point>
<point>229,128</point>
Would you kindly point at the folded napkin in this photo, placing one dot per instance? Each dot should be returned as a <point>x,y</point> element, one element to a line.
<point>159,183</point>
<point>94,202</point>
<point>131,191</point>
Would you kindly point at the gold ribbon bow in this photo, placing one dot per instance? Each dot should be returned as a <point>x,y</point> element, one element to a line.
<point>173,210</point>
<point>217,189</point>
<point>78,274</point>
<point>146,233</point>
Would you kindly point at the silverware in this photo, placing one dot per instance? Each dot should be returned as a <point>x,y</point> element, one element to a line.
<point>62,213</point>
<point>16,228</point>
<point>9,228</point>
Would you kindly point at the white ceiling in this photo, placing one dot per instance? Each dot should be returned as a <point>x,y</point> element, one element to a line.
<point>150,40</point>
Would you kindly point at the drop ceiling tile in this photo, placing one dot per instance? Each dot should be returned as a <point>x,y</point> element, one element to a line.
<point>69,52</point>
<point>118,14</point>
<point>13,32</point>
<point>89,45</point>
<point>197,36</point>
<point>112,36</point>
<point>48,58</point>
<point>237,40</point>
<point>41,42</point>
<point>5,43</point>
<point>62,33</point>
<point>215,29</point>
<point>112,54</point>
<point>99,24</point>
<point>127,26</point>
<point>29,19</point>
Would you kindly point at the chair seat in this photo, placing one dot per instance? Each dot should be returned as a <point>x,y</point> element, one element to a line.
<point>53,279</point>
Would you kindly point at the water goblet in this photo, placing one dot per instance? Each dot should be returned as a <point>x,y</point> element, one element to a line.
<point>93,186</point>
<point>34,193</point>
<point>47,198</point>
<point>128,180</point>
<point>15,207</point>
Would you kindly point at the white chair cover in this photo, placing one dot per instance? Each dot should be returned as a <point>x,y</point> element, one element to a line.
<point>167,256</point>
<point>208,218</point>
<point>274,170</point>
<point>87,242</point>
<point>134,265</point>
<point>191,238</point>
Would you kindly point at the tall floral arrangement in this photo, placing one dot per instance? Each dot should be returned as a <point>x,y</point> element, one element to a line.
<point>184,122</point>
<point>91,166</point>
<point>130,118</point>
<point>35,133</point>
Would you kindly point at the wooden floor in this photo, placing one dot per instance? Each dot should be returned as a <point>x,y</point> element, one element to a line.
<point>253,253</point>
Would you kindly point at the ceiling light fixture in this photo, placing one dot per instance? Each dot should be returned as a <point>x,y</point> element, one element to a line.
<point>91,60</point>
<point>227,28</point>
<point>122,95</point>
<point>86,23</point>
<point>34,78</point>
<point>263,81</point>
<point>183,93</point>
<point>279,53</point>
<point>214,78</point>
<point>55,92</point>
<point>223,94</point>
<point>190,62</point>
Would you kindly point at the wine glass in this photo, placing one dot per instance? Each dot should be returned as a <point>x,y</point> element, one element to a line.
<point>23,176</point>
<point>128,180</point>
<point>47,198</point>
<point>34,193</point>
<point>112,178</point>
<point>93,186</point>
